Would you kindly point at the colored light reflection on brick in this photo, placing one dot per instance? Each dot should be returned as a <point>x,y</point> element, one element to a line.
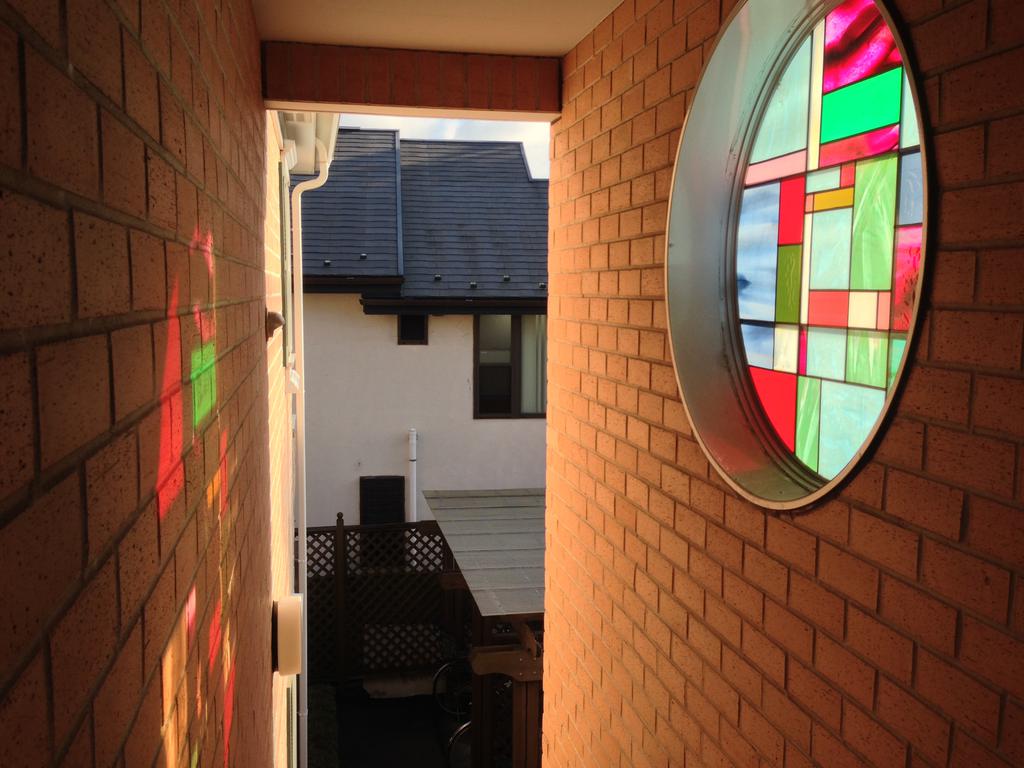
<point>215,636</point>
<point>190,615</point>
<point>229,713</point>
<point>223,472</point>
<point>204,381</point>
<point>170,472</point>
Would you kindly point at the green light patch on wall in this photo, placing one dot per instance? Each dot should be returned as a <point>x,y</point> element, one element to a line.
<point>204,381</point>
<point>863,106</point>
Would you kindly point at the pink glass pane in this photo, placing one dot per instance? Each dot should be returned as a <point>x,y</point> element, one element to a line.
<point>908,272</point>
<point>777,392</point>
<point>791,212</point>
<point>860,146</point>
<point>884,302</point>
<point>769,170</point>
<point>829,308</point>
<point>858,44</point>
<point>803,352</point>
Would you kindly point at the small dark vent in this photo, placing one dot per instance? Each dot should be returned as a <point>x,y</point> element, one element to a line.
<point>412,329</point>
<point>381,499</point>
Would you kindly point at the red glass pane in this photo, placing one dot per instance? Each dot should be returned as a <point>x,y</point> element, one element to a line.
<point>791,212</point>
<point>829,308</point>
<point>858,44</point>
<point>908,272</point>
<point>802,365</point>
<point>884,305</point>
<point>860,146</point>
<point>848,175</point>
<point>777,392</point>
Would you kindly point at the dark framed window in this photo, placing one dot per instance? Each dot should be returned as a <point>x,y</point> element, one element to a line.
<point>509,366</point>
<point>412,329</point>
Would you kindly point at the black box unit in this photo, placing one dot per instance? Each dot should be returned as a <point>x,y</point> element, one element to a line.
<point>381,499</point>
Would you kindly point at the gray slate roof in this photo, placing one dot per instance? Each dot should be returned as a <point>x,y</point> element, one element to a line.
<point>469,212</point>
<point>356,211</point>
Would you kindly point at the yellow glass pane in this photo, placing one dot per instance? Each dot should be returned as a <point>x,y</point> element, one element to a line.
<point>836,198</point>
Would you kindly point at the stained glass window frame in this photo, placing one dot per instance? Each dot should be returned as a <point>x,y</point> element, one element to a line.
<point>756,462</point>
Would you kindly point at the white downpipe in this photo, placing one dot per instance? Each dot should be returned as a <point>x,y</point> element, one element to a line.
<point>410,480</point>
<point>324,162</point>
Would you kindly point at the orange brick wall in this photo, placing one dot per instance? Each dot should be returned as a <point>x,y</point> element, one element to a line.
<point>687,627</point>
<point>135,539</point>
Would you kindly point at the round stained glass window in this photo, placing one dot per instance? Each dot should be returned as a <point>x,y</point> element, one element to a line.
<point>792,305</point>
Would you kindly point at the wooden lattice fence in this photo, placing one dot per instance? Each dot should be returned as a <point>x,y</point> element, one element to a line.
<point>375,599</point>
<point>321,600</point>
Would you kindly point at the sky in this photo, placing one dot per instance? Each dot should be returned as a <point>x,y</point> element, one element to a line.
<point>534,136</point>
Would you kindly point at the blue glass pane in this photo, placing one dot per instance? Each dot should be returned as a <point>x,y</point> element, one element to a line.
<point>848,413</point>
<point>757,244</point>
<point>784,127</point>
<point>830,249</point>
<point>911,190</point>
<point>759,343</point>
<point>826,353</point>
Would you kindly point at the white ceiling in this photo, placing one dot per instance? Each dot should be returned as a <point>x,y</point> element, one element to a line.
<point>525,27</point>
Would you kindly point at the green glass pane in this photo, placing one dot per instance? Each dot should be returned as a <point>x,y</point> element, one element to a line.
<point>910,134</point>
<point>808,405</point>
<point>874,216</point>
<point>897,346</point>
<point>787,292</point>
<point>848,413</point>
<point>865,358</point>
<point>862,106</point>
<point>826,353</point>
<point>784,126</point>
<point>821,181</point>
<point>830,249</point>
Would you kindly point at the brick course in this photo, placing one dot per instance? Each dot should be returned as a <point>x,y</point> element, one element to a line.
<point>875,629</point>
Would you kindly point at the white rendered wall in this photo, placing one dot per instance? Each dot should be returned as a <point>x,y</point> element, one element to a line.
<point>364,392</point>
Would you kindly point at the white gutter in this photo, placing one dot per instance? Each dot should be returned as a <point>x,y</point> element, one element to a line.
<point>410,481</point>
<point>323,161</point>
